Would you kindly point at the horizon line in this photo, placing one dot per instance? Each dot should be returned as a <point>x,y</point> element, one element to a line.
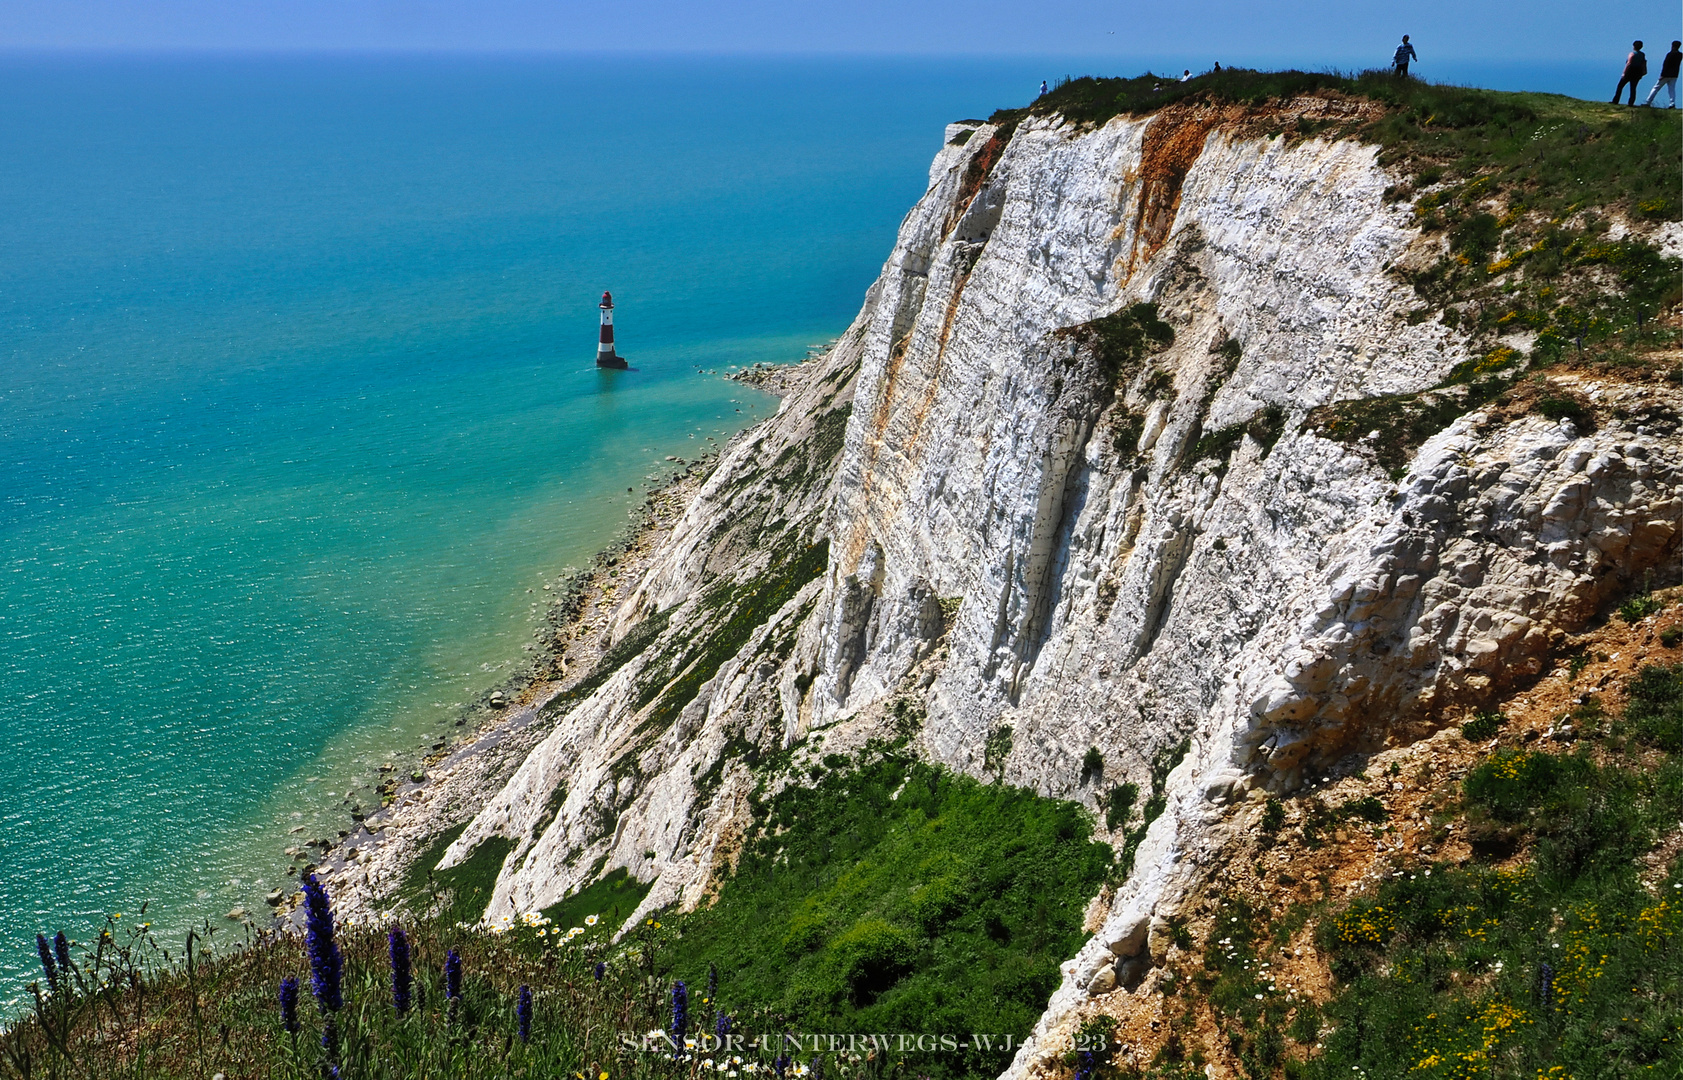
<point>524,52</point>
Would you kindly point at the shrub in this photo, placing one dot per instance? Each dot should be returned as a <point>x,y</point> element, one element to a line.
<point>1639,607</point>
<point>1514,783</point>
<point>1655,709</point>
<point>1484,725</point>
<point>1120,805</point>
<point>1368,809</point>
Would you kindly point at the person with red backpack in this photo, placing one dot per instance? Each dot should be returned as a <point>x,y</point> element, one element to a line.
<point>1636,66</point>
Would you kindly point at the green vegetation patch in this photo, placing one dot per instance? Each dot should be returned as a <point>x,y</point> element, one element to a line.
<point>750,605</point>
<point>1558,150</point>
<point>1122,340</point>
<point>891,895</point>
<point>1403,422</point>
<point>622,652</point>
<point>612,898</point>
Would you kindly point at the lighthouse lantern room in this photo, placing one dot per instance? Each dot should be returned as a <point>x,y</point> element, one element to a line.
<point>605,355</point>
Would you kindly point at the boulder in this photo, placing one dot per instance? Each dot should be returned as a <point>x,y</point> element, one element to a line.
<point>1131,938</point>
<point>1103,982</point>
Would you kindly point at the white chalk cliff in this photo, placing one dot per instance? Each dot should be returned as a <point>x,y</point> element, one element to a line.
<point>1277,607</point>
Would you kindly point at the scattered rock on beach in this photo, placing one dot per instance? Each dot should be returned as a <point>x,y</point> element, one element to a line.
<point>274,897</point>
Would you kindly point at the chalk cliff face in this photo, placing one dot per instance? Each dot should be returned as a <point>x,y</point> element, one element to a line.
<point>1027,529</point>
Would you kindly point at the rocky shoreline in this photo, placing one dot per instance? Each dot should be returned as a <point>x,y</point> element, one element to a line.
<point>366,865</point>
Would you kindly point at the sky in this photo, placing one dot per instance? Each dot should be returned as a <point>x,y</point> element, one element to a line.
<point>1305,33</point>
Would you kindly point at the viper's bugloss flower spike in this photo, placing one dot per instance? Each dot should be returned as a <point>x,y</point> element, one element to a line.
<point>289,1004</point>
<point>403,980</point>
<point>61,947</point>
<point>1545,986</point>
<point>452,974</point>
<point>523,1013</point>
<point>713,986</point>
<point>722,1026</point>
<point>327,966</point>
<point>601,970</point>
<point>780,1065</point>
<point>329,1051</point>
<point>680,1017</point>
<point>47,963</point>
<point>1084,1066</point>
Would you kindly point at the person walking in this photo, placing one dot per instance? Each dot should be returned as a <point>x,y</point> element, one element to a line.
<point>1042,87</point>
<point>1636,66</point>
<point>1668,74</point>
<point>1404,54</point>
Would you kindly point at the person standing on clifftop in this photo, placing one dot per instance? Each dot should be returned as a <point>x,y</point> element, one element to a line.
<point>1636,66</point>
<point>1668,75</point>
<point>1043,87</point>
<point>1404,54</point>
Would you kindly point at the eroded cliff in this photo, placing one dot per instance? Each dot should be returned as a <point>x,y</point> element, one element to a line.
<point>1081,482</point>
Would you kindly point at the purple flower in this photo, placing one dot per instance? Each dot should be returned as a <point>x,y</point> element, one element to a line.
<point>397,946</point>
<point>329,1051</point>
<point>713,986</point>
<point>523,1013</point>
<point>327,966</point>
<point>680,1017</point>
<point>47,964</point>
<point>61,946</point>
<point>289,1004</point>
<point>1085,1066</point>
<point>601,970</point>
<point>1545,986</point>
<point>780,1065</point>
<point>722,1027</point>
<point>453,975</point>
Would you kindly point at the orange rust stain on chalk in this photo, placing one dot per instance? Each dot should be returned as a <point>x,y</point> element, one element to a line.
<point>975,175</point>
<point>1172,144</point>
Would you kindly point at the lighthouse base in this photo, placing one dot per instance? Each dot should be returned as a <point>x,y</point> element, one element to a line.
<point>609,360</point>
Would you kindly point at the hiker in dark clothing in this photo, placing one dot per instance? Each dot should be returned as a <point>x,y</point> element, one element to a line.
<point>1668,75</point>
<point>1636,66</point>
<point>1405,53</point>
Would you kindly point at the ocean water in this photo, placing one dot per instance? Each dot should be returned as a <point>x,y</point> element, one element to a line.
<point>298,408</point>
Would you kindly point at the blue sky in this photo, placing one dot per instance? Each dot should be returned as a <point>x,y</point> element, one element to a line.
<point>1302,32</point>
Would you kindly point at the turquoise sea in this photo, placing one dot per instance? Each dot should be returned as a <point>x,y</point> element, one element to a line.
<point>297,402</point>
<point>297,408</point>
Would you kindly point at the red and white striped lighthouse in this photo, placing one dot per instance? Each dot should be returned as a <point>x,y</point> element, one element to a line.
<point>605,355</point>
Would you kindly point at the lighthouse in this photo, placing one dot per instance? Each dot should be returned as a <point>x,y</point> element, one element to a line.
<point>605,355</point>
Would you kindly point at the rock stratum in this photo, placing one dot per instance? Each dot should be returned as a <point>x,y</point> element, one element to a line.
<point>1080,475</point>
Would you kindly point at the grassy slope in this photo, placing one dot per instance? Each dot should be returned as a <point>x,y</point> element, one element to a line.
<point>888,895</point>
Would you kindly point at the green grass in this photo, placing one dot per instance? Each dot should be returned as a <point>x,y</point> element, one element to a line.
<point>1122,340</point>
<point>890,895</point>
<point>613,898</point>
<point>1555,150</point>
